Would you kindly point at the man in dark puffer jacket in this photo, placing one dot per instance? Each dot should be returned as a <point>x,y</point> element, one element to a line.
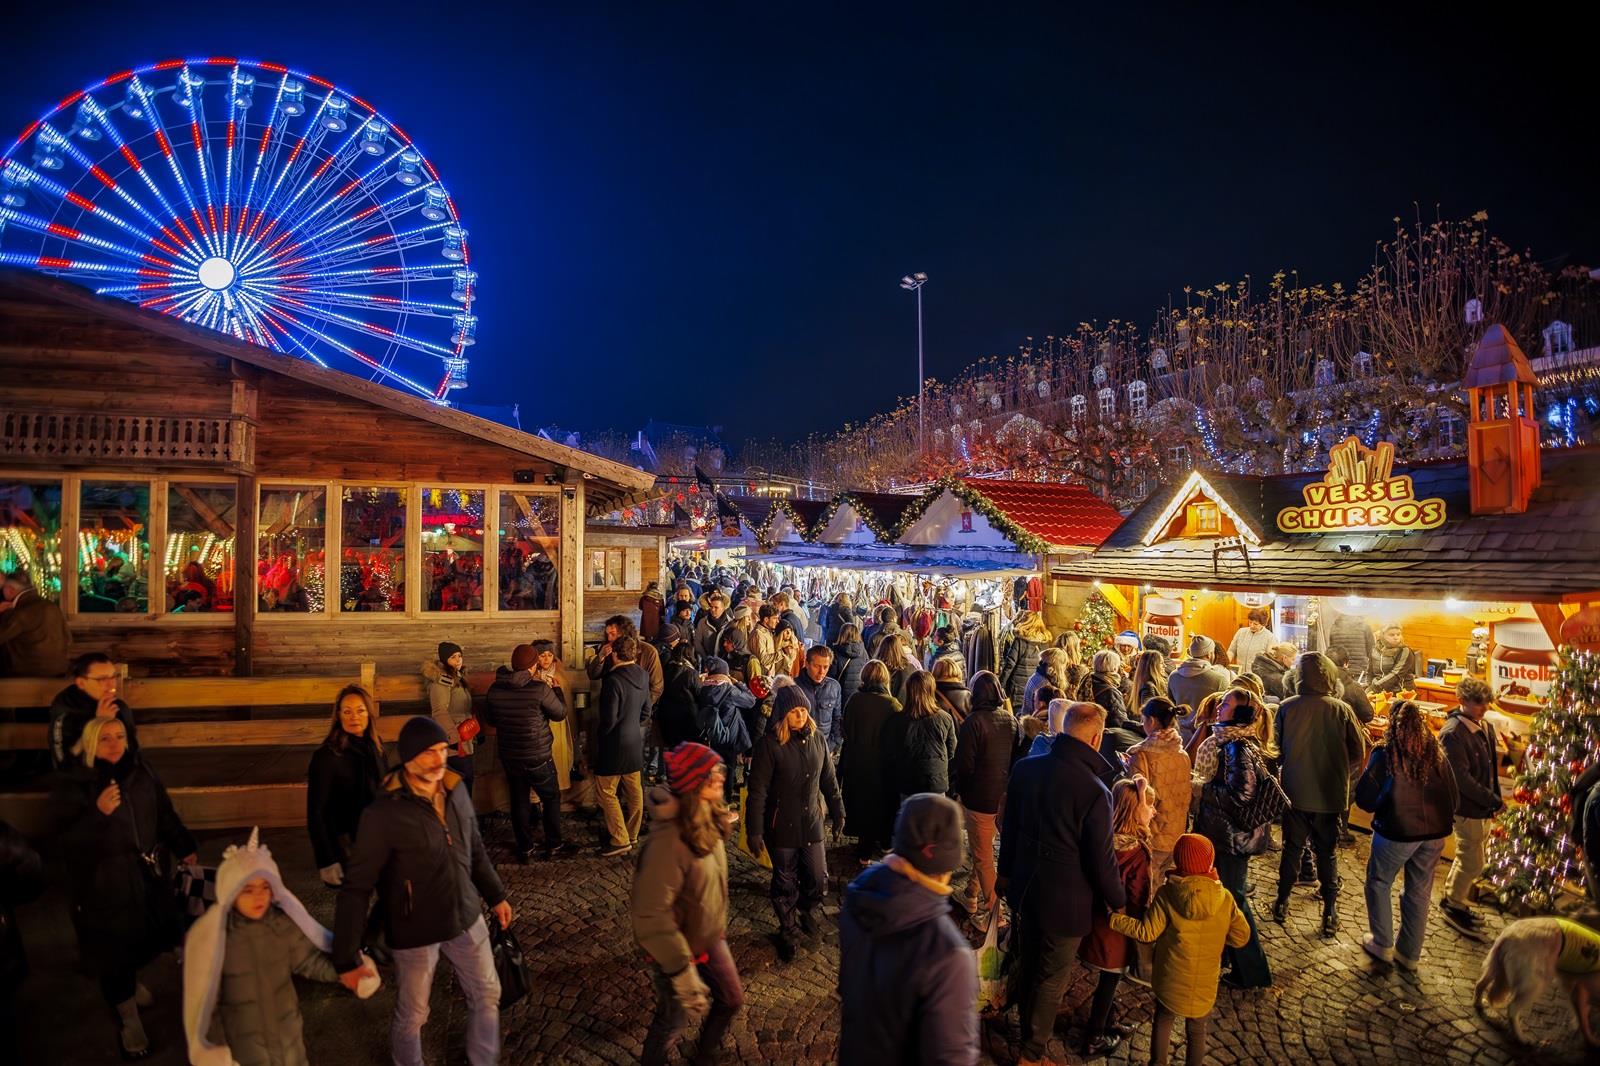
<point>908,981</point>
<point>521,708</point>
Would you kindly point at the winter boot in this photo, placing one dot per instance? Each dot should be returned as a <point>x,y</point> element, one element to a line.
<point>142,995</point>
<point>135,1043</point>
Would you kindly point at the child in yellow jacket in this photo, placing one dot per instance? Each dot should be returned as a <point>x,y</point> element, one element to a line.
<point>1189,921</point>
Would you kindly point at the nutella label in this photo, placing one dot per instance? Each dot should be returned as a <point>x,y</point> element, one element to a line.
<point>1521,680</point>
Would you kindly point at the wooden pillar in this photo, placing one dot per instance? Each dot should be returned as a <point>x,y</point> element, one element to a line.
<point>572,569</point>
<point>244,574</point>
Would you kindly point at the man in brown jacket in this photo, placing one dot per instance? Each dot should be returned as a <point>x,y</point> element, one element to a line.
<point>33,631</point>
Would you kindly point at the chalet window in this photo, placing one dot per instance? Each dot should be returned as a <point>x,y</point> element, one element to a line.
<point>114,547</point>
<point>291,538</point>
<point>30,533</point>
<point>1108,403</point>
<point>614,570</point>
<point>372,555</point>
<point>197,561</point>
<point>452,549</point>
<point>1203,519</point>
<point>529,551</point>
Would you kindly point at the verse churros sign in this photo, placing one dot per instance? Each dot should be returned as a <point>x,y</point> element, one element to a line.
<point>1360,493</point>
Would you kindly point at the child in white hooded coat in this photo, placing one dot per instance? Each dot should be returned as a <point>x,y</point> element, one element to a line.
<point>239,1001</point>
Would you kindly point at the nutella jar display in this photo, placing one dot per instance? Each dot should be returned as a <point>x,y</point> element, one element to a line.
<point>1522,665</point>
<point>1163,618</point>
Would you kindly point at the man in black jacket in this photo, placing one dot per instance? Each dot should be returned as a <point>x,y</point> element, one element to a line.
<point>1470,744</point>
<point>1057,866</point>
<point>92,694</point>
<point>419,848</point>
<point>708,630</point>
<point>521,708</point>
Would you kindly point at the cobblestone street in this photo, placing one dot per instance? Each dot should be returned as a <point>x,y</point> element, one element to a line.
<point>592,1000</point>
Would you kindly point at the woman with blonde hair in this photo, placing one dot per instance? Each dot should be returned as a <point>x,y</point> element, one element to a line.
<point>1149,678</point>
<point>1072,644</point>
<point>1134,802</point>
<point>896,653</point>
<point>1029,638</point>
<point>921,740</point>
<point>791,653</point>
<point>120,833</point>
<point>950,690</point>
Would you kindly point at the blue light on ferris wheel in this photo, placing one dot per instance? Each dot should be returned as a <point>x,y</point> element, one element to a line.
<point>455,373</point>
<point>465,280</point>
<point>375,137</point>
<point>466,333</point>
<point>294,98</point>
<point>244,87</point>
<point>410,167</point>
<point>336,114</point>
<point>436,205</point>
<point>455,239</point>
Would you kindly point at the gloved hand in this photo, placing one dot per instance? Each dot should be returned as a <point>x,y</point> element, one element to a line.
<point>332,876</point>
<point>369,982</point>
<point>691,993</point>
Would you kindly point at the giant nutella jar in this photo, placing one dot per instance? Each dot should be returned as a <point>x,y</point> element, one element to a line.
<point>1163,617</point>
<point>1522,665</point>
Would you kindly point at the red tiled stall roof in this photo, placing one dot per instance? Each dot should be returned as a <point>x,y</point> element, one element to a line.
<point>1055,513</point>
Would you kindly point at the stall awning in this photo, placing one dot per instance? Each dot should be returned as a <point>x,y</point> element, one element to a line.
<point>1549,553</point>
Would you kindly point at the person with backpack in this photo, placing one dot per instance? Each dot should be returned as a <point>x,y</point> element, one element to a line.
<point>719,718</point>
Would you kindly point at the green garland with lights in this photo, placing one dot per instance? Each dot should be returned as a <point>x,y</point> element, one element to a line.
<point>1531,853</point>
<point>975,499</point>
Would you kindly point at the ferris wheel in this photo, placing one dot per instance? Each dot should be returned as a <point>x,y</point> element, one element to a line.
<point>256,200</point>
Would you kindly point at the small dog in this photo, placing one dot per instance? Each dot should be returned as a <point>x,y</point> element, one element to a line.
<point>1520,968</point>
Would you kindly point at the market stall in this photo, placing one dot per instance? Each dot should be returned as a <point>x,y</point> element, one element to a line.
<point>1478,562</point>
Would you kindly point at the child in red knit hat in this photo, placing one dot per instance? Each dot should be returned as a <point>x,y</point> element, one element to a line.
<point>1189,921</point>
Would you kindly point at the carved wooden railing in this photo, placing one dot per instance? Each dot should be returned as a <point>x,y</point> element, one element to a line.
<point>85,435</point>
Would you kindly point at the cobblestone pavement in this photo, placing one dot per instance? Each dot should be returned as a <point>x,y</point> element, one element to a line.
<point>592,1000</point>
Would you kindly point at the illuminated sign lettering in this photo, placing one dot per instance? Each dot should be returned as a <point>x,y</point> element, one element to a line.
<point>1360,493</point>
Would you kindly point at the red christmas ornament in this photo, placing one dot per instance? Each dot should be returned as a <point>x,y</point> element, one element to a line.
<point>1576,767</point>
<point>1523,795</point>
<point>1498,832</point>
<point>1566,803</point>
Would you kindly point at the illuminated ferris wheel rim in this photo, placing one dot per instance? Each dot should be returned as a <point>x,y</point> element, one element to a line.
<point>222,273</point>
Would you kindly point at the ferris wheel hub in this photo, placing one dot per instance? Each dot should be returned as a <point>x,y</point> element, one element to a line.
<point>217,273</point>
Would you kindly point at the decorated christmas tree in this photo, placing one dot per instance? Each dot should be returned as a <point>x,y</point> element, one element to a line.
<point>1531,852</point>
<point>1096,624</point>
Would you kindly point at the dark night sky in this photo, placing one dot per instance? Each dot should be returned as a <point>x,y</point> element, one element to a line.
<point>702,216</point>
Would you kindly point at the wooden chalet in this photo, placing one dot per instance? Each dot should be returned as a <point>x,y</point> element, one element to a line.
<point>134,448</point>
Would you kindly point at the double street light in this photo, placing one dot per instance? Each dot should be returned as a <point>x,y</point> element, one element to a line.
<point>914,283</point>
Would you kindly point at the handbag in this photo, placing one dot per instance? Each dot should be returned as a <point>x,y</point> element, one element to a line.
<point>196,889</point>
<point>1243,828</point>
<point>509,965</point>
<point>469,729</point>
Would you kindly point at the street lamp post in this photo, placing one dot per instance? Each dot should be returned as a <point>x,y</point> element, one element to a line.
<point>914,283</point>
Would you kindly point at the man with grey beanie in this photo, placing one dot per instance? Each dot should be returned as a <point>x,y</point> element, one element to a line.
<point>1197,676</point>
<point>908,981</point>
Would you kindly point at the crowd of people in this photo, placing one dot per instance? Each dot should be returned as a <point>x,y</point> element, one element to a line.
<point>1089,806</point>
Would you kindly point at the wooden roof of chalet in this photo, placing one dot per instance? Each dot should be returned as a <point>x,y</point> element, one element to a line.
<point>608,484</point>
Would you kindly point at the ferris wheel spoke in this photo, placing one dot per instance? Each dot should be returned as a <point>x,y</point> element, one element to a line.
<point>366,360</point>
<point>153,118</point>
<point>163,225</point>
<point>370,329</point>
<point>366,301</point>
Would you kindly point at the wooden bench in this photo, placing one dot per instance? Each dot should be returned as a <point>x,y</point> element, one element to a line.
<point>215,805</point>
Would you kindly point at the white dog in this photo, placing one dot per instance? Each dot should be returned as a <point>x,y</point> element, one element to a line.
<point>1523,963</point>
